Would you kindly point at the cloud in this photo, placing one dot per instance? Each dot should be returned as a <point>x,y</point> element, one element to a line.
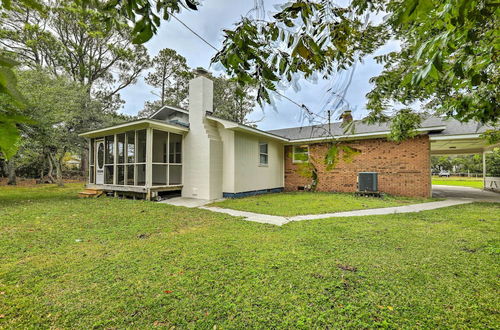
<point>209,21</point>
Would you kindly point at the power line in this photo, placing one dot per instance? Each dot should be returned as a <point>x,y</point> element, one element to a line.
<point>302,106</point>
<point>194,32</point>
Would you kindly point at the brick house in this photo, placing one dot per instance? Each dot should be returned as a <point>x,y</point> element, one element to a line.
<point>403,168</point>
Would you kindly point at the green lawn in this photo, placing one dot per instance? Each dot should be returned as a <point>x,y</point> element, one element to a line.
<point>111,263</point>
<point>301,203</point>
<point>459,181</point>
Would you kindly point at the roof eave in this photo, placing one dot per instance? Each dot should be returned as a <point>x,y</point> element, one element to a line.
<point>243,128</point>
<point>136,124</point>
<point>347,137</point>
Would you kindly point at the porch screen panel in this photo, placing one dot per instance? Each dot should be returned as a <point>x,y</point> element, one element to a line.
<point>175,149</point>
<point>120,148</point>
<point>159,175</point>
<point>109,158</point>
<point>160,167</point>
<point>120,174</point>
<point>141,174</point>
<point>175,174</point>
<point>120,159</point>
<point>141,146</point>
<point>130,175</point>
<point>108,174</point>
<point>130,147</point>
<point>160,140</point>
<point>92,161</point>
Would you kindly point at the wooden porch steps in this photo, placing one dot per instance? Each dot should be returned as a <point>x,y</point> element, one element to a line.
<point>88,193</point>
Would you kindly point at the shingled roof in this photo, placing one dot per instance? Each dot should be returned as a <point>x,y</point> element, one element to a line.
<point>434,125</point>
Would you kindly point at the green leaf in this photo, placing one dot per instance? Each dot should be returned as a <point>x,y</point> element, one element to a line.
<point>302,50</point>
<point>143,36</point>
<point>9,137</point>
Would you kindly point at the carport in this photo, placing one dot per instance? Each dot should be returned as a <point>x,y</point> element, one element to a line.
<point>463,139</point>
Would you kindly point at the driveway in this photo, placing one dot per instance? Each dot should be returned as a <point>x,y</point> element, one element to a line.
<point>455,192</point>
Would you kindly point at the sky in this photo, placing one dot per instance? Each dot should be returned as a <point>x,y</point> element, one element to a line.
<point>209,21</point>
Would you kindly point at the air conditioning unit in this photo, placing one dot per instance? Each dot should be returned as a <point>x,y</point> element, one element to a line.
<point>368,182</point>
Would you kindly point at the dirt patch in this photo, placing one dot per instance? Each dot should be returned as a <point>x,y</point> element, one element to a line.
<point>347,268</point>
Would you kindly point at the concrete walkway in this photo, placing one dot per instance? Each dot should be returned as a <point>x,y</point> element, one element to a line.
<point>278,220</point>
<point>455,196</point>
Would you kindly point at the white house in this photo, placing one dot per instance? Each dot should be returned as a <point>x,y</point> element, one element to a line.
<point>190,150</point>
<point>206,157</point>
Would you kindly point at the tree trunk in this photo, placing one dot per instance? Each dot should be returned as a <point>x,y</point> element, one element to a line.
<point>42,169</point>
<point>58,165</point>
<point>84,164</point>
<point>11,172</point>
<point>51,169</point>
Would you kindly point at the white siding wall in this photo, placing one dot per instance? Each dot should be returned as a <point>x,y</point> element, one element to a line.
<point>227,137</point>
<point>249,175</point>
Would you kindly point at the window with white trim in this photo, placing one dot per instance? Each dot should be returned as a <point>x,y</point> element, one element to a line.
<point>300,154</point>
<point>263,154</point>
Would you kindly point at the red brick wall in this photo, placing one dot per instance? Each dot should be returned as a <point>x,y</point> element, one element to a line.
<point>403,168</point>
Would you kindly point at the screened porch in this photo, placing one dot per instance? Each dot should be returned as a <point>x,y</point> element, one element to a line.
<point>139,157</point>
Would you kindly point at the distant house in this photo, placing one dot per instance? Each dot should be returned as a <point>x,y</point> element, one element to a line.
<point>206,157</point>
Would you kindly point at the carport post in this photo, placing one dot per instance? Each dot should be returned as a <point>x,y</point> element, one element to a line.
<point>484,169</point>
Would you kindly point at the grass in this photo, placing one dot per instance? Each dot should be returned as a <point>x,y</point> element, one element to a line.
<point>459,181</point>
<point>302,203</point>
<point>111,263</point>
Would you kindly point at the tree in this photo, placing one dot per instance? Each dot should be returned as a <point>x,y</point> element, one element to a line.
<point>232,101</point>
<point>170,76</point>
<point>68,38</point>
<point>58,109</point>
<point>445,60</point>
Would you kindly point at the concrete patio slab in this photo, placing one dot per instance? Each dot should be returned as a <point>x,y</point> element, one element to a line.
<point>186,202</point>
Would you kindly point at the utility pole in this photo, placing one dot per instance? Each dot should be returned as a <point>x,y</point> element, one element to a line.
<point>329,113</point>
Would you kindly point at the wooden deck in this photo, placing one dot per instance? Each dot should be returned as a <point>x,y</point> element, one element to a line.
<point>149,192</point>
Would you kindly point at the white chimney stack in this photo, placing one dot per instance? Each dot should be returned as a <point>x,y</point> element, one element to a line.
<point>201,96</point>
<point>202,165</point>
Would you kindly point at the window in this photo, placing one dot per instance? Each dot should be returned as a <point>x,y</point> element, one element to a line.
<point>300,154</point>
<point>263,154</point>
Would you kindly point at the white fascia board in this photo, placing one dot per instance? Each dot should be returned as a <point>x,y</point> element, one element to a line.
<point>168,107</point>
<point>239,127</point>
<point>455,137</point>
<point>142,123</point>
<point>362,135</point>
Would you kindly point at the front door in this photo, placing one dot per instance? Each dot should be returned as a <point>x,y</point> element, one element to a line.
<point>99,172</point>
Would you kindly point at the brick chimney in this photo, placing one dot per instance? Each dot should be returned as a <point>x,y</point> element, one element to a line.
<point>346,117</point>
